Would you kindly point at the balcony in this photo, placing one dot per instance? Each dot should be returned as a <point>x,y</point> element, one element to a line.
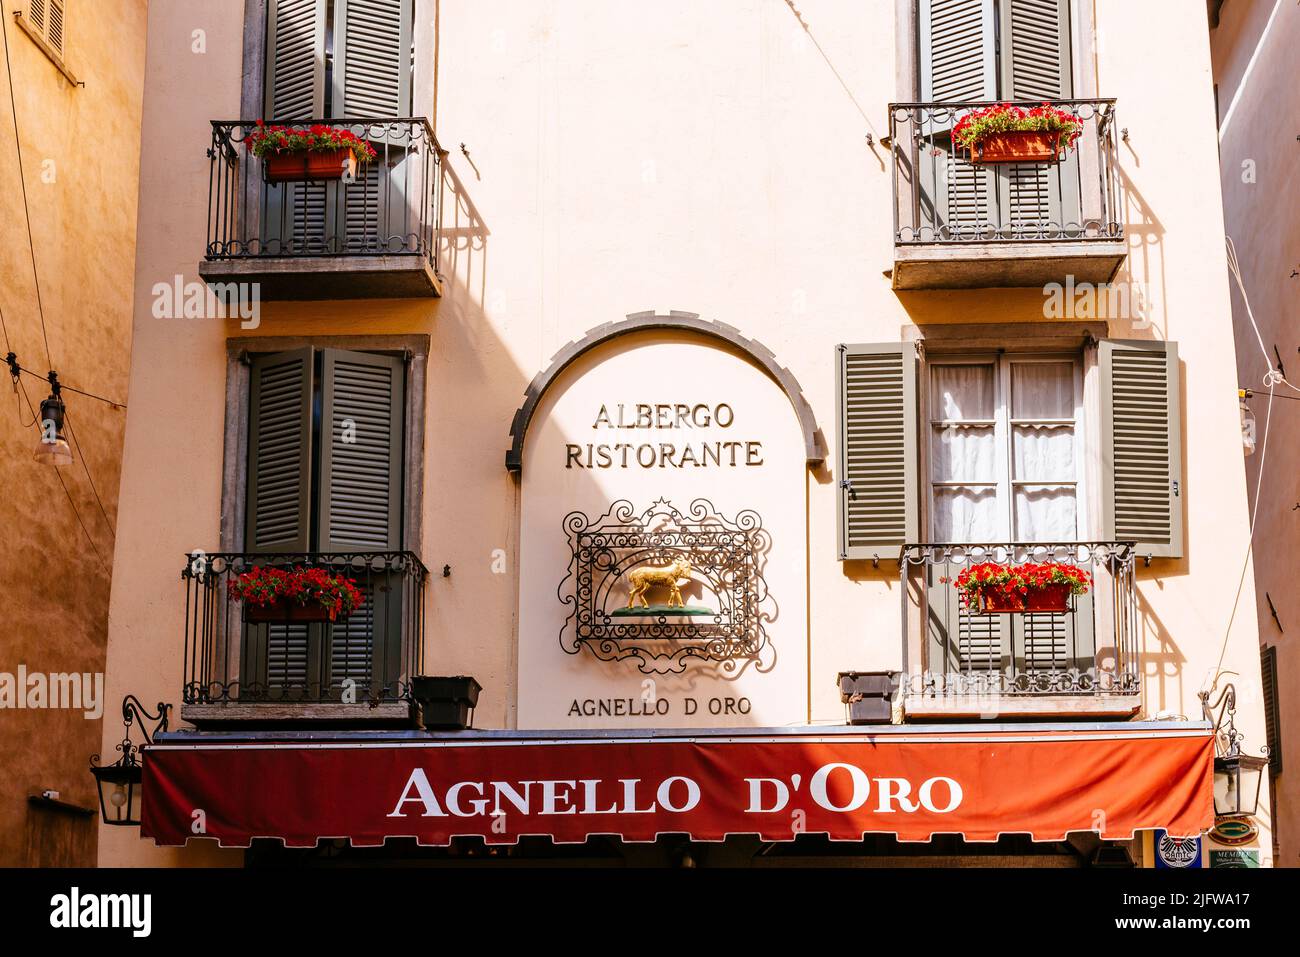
<point>961,225</point>
<point>355,671</point>
<point>962,664</point>
<point>375,237</point>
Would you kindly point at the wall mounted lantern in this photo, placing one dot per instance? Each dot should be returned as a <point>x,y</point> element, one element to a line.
<point>120,782</point>
<point>1237,775</point>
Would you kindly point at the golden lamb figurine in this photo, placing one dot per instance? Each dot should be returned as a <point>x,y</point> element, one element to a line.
<point>648,576</point>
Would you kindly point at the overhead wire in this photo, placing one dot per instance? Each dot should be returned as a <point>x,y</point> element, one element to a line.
<point>22,180</point>
<point>40,311</point>
<point>1271,379</point>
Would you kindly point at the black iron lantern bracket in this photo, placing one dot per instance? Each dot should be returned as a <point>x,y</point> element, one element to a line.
<point>119,783</point>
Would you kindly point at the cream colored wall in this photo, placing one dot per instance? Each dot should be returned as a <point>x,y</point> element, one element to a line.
<point>1258,136</point>
<point>701,157</point>
<point>80,164</point>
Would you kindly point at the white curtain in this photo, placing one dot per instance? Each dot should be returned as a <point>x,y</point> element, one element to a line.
<point>964,449</point>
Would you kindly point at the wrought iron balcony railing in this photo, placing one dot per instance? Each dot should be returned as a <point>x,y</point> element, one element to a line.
<point>391,208</point>
<point>942,197</point>
<point>366,659</point>
<point>1089,650</point>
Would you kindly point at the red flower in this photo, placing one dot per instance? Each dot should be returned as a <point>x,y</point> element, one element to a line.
<point>990,577</point>
<point>262,586</point>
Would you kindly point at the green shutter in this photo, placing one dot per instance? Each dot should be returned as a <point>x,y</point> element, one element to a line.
<point>372,58</point>
<point>1036,62</point>
<point>1272,712</point>
<point>1141,445</point>
<point>361,462</point>
<point>877,449</point>
<point>295,213</point>
<point>279,453</point>
<point>957,52</point>
<point>295,59</point>
<point>1036,65</point>
<point>362,402</point>
<point>957,62</point>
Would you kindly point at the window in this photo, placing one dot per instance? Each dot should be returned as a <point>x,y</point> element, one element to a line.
<point>995,50</point>
<point>1002,439</point>
<point>46,16</point>
<point>338,58</point>
<point>343,60</point>
<point>1005,449</point>
<point>325,464</point>
<point>974,51</point>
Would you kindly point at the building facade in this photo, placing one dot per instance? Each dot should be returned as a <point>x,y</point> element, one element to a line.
<point>1257,103</point>
<point>69,131</point>
<point>669,398</point>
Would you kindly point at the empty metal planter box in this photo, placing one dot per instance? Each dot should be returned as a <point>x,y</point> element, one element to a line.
<point>869,695</point>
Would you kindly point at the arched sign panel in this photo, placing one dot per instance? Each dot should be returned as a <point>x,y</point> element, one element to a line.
<point>663,545</point>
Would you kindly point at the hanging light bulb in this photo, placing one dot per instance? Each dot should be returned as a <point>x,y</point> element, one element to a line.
<point>52,448</point>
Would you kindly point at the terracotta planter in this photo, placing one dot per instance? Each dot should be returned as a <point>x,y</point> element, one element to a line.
<point>1019,146</point>
<point>1053,598</point>
<point>310,166</point>
<point>998,602</point>
<point>285,610</point>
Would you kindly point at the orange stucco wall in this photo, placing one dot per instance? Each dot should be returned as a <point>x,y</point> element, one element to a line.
<point>80,161</point>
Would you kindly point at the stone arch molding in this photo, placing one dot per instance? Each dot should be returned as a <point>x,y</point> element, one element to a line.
<point>814,442</point>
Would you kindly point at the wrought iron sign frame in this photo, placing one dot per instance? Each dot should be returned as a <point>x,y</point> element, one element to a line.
<point>727,556</point>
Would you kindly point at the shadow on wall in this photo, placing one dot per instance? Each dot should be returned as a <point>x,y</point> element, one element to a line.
<point>1163,680</point>
<point>473,388</point>
<point>1145,265</point>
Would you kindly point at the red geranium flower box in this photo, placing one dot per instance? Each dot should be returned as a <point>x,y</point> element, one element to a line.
<point>316,166</point>
<point>316,153</point>
<point>992,589</point>
<point>1003,133</point>
<point>294,594</point>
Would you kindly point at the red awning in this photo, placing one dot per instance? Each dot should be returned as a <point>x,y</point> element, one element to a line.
<point>905,781</point>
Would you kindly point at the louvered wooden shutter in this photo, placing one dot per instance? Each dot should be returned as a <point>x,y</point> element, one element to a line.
<point>295,59</point>
<point>1036,63</point>
<point>1272,713</point>
<point>958,58</point>
<point>958,62</point>
<point>363,407</point>
<point>372,58</point>
<point>361,457</point>
<point>364,203</point>
<point>54,32</point>
<point>1141,445</point>
<point>877,449</point>
<point>280,453</point>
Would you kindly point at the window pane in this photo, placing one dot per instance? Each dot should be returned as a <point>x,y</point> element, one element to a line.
<point>964,454</point>
<point>962,392</point>
<point>1045,513</point>
<point>965,515</point>
<point>1043,453</point>
<point>1042,390</point>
